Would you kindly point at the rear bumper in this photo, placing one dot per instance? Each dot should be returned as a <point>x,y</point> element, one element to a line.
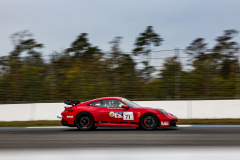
<point>65,123</point>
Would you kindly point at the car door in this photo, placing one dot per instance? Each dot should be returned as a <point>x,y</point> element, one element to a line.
<point>113,113</point>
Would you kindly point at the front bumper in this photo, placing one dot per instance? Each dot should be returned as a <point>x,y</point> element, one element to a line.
<point>173,123</point>
<point>167,121</point>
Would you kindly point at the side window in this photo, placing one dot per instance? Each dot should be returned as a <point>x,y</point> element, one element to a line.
<point>112,103</point>
<point>96,104</point>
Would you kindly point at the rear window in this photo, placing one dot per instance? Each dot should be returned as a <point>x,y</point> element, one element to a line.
<point>96,104</point>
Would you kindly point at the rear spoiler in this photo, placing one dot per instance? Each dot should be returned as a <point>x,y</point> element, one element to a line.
<point>72,102</point>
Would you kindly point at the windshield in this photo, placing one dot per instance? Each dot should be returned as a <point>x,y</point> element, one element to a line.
<point>132,104</point>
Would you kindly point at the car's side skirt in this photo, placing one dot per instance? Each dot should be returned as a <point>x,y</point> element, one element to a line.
<point>113,123</point>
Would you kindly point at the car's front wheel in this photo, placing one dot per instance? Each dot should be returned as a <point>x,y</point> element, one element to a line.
<point>84,121</point>
<point>148,121</point>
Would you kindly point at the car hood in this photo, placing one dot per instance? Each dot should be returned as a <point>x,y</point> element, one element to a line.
<point>151,108</point>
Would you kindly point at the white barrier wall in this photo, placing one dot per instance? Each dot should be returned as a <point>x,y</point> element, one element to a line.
<point>209,109</point>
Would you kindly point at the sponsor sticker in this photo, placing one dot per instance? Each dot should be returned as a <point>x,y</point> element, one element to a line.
<point>128,116</point>
<point>69,116</point>
<point>118,114</point>
<point>164,123</point>
<point>111,114</point>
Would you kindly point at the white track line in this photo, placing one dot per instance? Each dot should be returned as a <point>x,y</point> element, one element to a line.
<point>50,127</point>
<point>184,125</point>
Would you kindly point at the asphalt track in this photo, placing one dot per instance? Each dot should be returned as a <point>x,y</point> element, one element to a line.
<point>35,138</point>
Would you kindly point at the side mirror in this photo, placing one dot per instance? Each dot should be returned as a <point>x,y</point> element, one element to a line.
<point>125,106</point>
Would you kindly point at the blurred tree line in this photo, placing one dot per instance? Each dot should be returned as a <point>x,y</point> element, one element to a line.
<point>84,72</point>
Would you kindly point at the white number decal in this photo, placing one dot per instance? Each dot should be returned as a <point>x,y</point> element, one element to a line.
<point>128,116</point>
<point>164,123</point>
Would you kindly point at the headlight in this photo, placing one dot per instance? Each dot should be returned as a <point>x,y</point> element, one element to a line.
<point>163,112</point>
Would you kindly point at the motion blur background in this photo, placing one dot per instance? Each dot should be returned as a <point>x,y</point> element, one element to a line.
<point>182,56</point>
<point>85,72</point>
<point>147,50</point>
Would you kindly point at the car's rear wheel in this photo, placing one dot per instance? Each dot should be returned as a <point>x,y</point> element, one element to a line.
<point>148,121</point>
<point>84,121</point>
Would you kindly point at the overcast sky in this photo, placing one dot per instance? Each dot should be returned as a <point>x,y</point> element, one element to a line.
<point>57,23</point>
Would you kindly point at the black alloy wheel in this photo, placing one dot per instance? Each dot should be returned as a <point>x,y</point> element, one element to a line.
<point>148,121</point>
<point>84,121</point>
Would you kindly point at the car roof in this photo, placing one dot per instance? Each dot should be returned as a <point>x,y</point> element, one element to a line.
<point>103,98</point>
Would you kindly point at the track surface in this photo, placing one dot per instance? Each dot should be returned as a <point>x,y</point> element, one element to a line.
<point>72,138</point>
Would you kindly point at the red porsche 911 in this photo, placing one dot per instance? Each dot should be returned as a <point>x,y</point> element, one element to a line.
<point>114,112</point>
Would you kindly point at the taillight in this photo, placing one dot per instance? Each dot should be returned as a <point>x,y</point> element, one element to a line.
<point>68,111</point>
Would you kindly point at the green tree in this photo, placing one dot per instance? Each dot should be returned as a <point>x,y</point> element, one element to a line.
<point>143,46</point>
<point>82,49</point>
<point>197,50</point>
<point>168,77</point>
<point>205,64</point>
<point>121,71</point>
<point>87,73</point>
<point>226,49</point>
<point>23,76</point>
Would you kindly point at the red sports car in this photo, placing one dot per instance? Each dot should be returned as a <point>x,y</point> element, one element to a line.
<point>116,112</point>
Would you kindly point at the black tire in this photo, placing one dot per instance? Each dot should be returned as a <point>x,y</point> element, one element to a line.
<point>84,121</point>
<point>148,121</point>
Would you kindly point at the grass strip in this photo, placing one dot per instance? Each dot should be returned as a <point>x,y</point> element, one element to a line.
<point>208,122</point>
<point>180,122</point>
<point>30,123</point>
